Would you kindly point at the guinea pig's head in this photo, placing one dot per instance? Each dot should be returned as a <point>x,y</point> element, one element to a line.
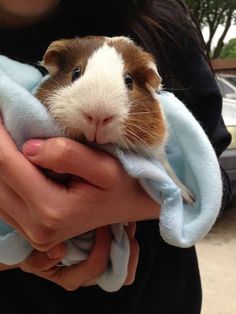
<point>103,89</point>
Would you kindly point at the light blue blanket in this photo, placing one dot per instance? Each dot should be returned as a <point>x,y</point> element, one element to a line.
<point>188,150</point>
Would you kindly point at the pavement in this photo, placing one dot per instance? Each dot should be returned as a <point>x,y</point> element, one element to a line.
<point>217,262</point>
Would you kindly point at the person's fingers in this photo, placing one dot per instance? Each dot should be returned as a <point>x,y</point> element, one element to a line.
<point>67,156</point>
<point>9,199</point>
<point>133,262</point>
<point>89,283</point>
<point>9,220</point>
<point>76,275</point>
<point>15,212</point>
<point>134,253</point>
<point>131,229</point>
<point>18,172</point>
<point>38,262</point>
<point>98,259</point>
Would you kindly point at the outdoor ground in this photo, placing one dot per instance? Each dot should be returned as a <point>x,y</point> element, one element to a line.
<point>217,261</point>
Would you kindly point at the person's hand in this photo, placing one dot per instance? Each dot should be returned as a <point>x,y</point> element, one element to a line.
<point>44,264</point>
<point>48,213</point>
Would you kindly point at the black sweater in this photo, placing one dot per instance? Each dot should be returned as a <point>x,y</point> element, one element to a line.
<point>167,280</point>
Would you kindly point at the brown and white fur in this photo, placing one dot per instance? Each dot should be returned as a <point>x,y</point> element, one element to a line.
<point>99,105</point>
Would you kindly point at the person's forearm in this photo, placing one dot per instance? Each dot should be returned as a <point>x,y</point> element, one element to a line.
<point>6,267</point>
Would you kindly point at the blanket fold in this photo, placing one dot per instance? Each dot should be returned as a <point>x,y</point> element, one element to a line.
<point>188,150</point>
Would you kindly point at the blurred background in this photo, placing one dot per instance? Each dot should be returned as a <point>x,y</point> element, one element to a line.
<point>217,252</point>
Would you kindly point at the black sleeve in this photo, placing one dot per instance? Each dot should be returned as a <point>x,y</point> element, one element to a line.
<point>201,95</point>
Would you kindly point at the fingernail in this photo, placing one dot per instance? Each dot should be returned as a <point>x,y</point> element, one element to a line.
<point>56,252</point>
<point>32,147</point>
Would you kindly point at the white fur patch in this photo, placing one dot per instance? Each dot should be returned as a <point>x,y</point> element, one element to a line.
<point>99,93</point>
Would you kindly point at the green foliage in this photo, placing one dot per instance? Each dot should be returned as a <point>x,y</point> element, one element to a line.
<point>229,50</point>
<point>212,13</point>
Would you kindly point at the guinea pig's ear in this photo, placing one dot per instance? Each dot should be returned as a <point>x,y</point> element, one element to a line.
<point>153,79</point>
<point>56,58</point>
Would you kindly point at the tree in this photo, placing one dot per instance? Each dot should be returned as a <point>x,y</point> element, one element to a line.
<point>213,13</point>
<point>229,50</point>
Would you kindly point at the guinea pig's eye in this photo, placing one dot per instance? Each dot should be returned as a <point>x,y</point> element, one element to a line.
<point>128,81</point>
<point>76,74</point>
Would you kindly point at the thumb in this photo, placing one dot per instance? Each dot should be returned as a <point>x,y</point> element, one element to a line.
<point>64,155</point>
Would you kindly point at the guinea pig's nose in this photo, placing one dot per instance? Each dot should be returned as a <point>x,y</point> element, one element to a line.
<point>98,120</point>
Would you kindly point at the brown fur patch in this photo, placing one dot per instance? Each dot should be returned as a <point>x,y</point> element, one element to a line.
<point>66,55</point>
<point>137,62</point>
<point>145,125</point>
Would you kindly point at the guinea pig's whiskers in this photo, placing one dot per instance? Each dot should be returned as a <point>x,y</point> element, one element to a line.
<point>138,100</point>
<point>48,93</point>
<point>128,144</point>
<point>137,143</point>
<point>133,147</point>
<point>45,90</point>
<point>62,127</point>
<point>142,129</point>
<point>137,138</point>
<point>175,89</point>
<point>142,112</point>
<point>60,85</point>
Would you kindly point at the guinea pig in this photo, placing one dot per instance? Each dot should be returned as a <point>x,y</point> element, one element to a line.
<point>102,89</point>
